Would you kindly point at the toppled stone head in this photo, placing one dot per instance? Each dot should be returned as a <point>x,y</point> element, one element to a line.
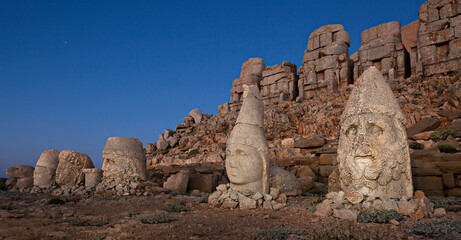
<point>124,158</point>
<point>247,152</point>
<point>373,151</point>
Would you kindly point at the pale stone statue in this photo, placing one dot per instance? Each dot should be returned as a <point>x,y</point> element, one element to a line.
<point>373,151</point>
<point>247,153</point>
<point>45,170</point>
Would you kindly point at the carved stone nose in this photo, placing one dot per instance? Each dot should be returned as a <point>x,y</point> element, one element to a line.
<point>363,146</point>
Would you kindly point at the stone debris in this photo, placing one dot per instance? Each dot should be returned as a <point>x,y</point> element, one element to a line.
<point>226,197</point>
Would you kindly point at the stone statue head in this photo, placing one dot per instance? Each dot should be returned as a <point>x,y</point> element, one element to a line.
<point>373,151</point>
<point>247,153</point>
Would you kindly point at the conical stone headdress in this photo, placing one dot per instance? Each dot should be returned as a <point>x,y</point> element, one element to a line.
<point>372,94</point>
<point>249,128</point>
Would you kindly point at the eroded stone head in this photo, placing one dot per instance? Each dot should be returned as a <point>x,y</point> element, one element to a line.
<point>247,153</point>
<point>373,151</point>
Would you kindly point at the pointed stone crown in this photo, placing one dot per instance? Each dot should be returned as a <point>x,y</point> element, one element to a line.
<point>249,128</point>
<point>372,94</point>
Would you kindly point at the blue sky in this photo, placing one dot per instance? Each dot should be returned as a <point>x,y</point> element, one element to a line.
<point>73,73</point>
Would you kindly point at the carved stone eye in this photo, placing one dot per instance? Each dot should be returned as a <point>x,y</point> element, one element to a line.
<point>351,131</point>
<point>375,129</point>
<point>239,152</point>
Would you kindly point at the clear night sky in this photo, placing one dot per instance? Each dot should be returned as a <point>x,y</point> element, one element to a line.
<point>73,73</point>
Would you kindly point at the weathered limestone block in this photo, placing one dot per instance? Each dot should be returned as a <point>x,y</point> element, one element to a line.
<point>251,74</point>
<point>23,175</point>
<point>247,152</point>
<point>177,182</point>
<point>285,181</point>
<point>45,169</point>
<point>373,152</point>
<point>70,168</point>
<point>279,83</point>
<point>124,158</point>
<point>197,115</point>
<point>93,176</point>
<point>382,47</point>
<point>20,171</point>
<point>438,37</point>
<point>326,62</point>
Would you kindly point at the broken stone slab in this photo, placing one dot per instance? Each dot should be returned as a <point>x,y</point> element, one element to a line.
<point>346,214</point>
<point>177,182</point>
<point>285,181</point>
<point>425,124</point>
<point>309,142</point>
<point>450,114</point>
<point>20,171</point>
<point>93,176</point>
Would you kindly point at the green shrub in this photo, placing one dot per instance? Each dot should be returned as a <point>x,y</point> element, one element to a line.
<point>416,146</point>
<point>446,148</point>
<point>442,135</point>
<point>274,234</point>
<point>317,192</point>
<point>313,203</point>
<point>56,201</point>
<point>156,218</point>
<point>379,216</point>
<point>437,229</point>
<point>452,204</point>
<point>175,206</point>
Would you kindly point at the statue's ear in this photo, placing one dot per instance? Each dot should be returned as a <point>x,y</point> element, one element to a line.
<point>265,169</point>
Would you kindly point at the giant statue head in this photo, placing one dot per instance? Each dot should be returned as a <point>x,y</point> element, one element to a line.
<point>373,151</point>
<point>247,153</point>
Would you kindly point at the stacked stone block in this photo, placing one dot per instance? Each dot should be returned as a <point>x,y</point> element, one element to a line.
<point>439,34</point>
<point>382,47</point>
<point>326,63</point>
<point>279,83</point>
<point>251,74</point>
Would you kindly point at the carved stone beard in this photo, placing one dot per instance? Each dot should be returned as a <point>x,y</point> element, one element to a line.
<point>371,154</point>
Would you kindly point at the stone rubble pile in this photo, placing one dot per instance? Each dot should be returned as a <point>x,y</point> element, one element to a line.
<point>225,197</point>
<point>349,206</point>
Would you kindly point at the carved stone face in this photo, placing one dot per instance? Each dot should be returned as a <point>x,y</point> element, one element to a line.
<point>372,146</point>
<point>243,164</point>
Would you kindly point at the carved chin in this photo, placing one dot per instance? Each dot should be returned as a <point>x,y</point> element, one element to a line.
<point>365,167</point>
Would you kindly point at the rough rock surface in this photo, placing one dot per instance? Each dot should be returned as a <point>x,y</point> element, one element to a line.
<point>70,168</point>
<point>45,169</point>
<point>285,181</point>
<point>373,152</point>
<point>124,158</point>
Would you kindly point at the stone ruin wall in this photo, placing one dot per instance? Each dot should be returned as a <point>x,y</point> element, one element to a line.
<point>326,62</point>
<point>439,33</point>
<point>279,83</point>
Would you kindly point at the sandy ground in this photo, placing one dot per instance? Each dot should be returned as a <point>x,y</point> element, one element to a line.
<point>27,216</point>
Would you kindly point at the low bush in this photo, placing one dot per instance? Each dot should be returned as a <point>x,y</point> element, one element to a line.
<point>416,146</point>
<point>56,201</point>
<point>175,206</point>
<point>442,135</point>
<point>379,216</point>
<point>274,234</point>
<point>437,229</point>
<point>446,148</point>
<point>313,203</point>
<point>156,218</point>
<point>81,222</point>
<point>452,204</point>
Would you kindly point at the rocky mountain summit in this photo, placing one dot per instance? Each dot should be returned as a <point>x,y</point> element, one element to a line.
<point>302,108</point>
